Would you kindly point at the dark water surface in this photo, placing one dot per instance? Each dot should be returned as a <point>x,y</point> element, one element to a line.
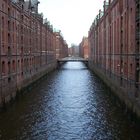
<point>71,104</point>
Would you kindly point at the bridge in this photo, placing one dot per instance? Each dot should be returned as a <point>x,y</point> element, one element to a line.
<point>72,59</point>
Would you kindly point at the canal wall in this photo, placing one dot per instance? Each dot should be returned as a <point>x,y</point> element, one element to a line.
<point>125,95</point>
<point>13,90</point>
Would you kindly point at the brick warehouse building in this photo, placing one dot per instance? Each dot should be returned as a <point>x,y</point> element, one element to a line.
<point>84,48</point>
<point>61,46</point>
<point>27,46</point>
<point>115,50</point>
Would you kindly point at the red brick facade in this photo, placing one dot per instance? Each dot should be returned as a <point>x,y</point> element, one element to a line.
<point>114,43</point>
<point>84,48</point>
<point>61,46</point>
<point>27,47</point>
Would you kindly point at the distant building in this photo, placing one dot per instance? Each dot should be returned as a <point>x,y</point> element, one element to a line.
<point>61,46</point>
<point>74,50</point>
<point>84,48</point>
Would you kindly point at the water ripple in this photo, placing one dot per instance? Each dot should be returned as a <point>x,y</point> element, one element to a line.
<point>71,104</point>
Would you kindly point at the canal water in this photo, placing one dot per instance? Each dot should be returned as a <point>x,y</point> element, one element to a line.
<point>70,104</point>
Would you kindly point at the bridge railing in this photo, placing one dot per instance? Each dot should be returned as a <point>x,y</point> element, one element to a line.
<point>72,59</point>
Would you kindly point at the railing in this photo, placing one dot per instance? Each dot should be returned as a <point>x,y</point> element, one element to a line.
<point>72,59</point>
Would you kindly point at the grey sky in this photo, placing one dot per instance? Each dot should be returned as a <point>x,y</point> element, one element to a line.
<point>72,17</point>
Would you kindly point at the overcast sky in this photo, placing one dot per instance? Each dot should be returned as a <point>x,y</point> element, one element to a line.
<point>72,17</point>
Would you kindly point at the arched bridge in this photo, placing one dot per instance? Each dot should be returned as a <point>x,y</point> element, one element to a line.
<point>72,59</point>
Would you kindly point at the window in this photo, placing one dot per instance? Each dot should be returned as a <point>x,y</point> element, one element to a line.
<point>13,13</point>
<point>21,39</point>
<point>2,35</point>
<point>9,40</point>
<point>13,66</point>
<point>22,29</point>
<point>9,67</point>
<point>3,7</point>
<point>22,17</point>
<point>22,7</point>
<point>22,64</point>
<point>9,79</point>
<point>2,45</point>
<point>121,21</point>
<point>138,25</point>
<point>125,68</point>
<point>2,22</point>
<point>3,67</point>
<point>138,6</point>
<point>27,62</point>
<point>13,26</point>
<point>21,50</point>
<point>8,11</point>
<point>8,25</point>
<point>131,68</point>
<point>138,43</point>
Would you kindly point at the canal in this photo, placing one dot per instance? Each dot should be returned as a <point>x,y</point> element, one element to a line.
<point>70,104</point>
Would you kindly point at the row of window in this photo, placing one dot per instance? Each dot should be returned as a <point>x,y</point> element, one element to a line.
<point>8,66</point>
<point>11,66</point>
<point>11,12</point>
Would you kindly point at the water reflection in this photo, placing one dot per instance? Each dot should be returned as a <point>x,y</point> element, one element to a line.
<point>72,103</point>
